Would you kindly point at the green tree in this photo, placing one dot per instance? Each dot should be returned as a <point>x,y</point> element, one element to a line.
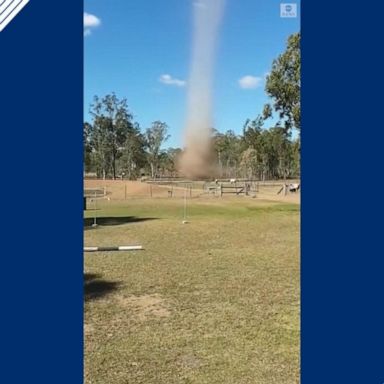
<point>87,145</point>
<point>278,152</point>
<point>251,132</point>
<point>273,156</point>
<point>295,158</point>
<point>133,156</point>
<point>155,136</point>
<point>170,160</point>
<point>227,147</point>
<point>249,162</point>
<point>112,123</point>
<point>283,85</point>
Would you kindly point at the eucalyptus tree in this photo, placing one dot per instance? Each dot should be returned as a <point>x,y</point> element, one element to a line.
<point>87,145</point>
<point>155,137</point>
<point>133,155</point>
<point>283,85</point>
<point>112,123</point>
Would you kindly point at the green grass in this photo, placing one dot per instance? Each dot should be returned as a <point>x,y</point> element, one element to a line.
<point>212,301</point>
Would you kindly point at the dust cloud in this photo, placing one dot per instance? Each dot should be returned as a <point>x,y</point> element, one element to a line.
<point>197,159</point>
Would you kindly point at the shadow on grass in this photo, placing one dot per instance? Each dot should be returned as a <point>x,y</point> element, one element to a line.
<point>106,221</point>
<point>95,287</point>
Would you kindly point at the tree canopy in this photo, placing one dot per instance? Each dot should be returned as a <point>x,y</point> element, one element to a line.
<point>283,85</point>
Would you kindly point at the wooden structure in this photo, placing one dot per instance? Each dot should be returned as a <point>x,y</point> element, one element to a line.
<point>234,187</point>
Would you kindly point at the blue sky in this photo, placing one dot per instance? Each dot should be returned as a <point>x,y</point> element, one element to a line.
<point>129,45</point>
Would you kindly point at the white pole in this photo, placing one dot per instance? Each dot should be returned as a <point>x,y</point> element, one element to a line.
<point>115,248</point>
<point>95,207</point>
<point>185,205</point>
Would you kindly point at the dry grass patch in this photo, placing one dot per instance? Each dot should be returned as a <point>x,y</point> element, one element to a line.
<point>215,301</point>
<point>145,306</point>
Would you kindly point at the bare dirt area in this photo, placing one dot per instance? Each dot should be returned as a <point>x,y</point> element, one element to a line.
<point>270,193</point>
<point>145,306</point>
<point>124,189</point>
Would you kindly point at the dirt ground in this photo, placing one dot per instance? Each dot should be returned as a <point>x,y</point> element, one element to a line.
<point>123,189</point>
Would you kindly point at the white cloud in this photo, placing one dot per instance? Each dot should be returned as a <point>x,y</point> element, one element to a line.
<point>90,21</point>
<point>250,82</point>
<point>169,80</point>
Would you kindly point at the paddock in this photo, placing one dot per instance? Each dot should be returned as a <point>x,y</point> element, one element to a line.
<point>210,301</point>
<point>120,190</point>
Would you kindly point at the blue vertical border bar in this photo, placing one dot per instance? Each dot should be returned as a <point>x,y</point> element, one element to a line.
<point>41,112</point>
<point>342,200</point>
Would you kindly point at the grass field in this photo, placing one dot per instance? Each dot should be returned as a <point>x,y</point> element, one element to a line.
<point>213,301</point>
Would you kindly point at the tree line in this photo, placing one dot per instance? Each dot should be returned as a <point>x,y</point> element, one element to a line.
<point>116,146</point>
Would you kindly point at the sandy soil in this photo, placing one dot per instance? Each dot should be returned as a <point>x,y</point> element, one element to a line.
<point>122,189</point>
